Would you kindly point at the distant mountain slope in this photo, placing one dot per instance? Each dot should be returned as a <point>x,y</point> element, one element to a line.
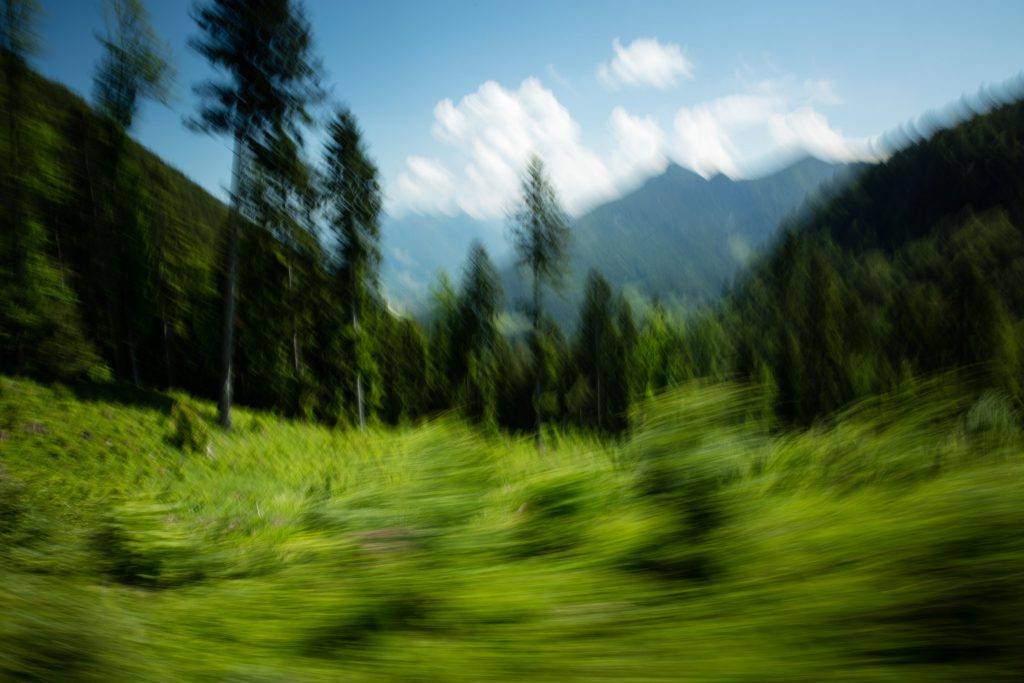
<point>680,238</point>
<point>682,235</point>
<point>415,249</point>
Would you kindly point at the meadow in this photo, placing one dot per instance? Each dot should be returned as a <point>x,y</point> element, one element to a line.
<point>138,542</point>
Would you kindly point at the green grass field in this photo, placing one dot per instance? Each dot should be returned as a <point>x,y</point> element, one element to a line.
<point>709,546</point>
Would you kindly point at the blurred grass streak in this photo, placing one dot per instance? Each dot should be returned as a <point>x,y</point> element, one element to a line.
<point>884,546</point>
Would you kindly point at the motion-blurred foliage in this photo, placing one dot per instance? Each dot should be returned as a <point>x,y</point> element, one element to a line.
<point>709,546</point>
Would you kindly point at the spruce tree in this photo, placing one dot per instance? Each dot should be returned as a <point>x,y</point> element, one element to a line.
<point>539,232</point>
<point>264,48</point>
<point>353,198</point>
<point>134,66</point>
<point>477,335</point>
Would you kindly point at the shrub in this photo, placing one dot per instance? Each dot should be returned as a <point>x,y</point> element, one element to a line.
<point>188,430</point>
<point>140,542</point>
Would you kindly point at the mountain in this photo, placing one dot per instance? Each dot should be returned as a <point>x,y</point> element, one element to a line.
<point>416,248</point>
<point>680,238</point>
<point>684,236</point>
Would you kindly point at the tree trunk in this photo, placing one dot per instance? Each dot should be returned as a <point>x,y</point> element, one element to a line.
<point>597,367</point>
<point>15,201</point>
<point>168,373</point>
<point>296,355</point>
<point>133,359</point>
<point>102,270</point>
<point>359,374</point>
<point>230,287</point>
<point>538,361</point>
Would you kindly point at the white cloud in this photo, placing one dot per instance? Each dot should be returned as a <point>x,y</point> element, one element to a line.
<point>426,186</point>
<point>808,130</point>
<point>492,132</point>
<point>489,135</point>
<point>558,78</point>
<point>639,148</point>
<point>704,133</point>
<point>770,120</point>
<point>645,61</point>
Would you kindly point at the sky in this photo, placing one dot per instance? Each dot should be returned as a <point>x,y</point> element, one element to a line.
<point>453,97</point>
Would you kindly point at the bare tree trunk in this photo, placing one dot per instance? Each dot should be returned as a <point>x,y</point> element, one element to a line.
<point>100,229</point>
<point>359,374</point>
<point>296,356</point>
<point>597,367</point>
<point>538,361</point>
<point>60,259</point>
<point>168,373</point>
<point>115,346</point>
<point>133,359</point>
<point>231,285</point>
<point>15,202</point>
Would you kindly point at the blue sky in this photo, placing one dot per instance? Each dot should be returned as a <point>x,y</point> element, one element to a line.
<point>453,96</point>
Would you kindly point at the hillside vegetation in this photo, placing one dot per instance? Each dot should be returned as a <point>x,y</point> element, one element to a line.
<point>915,266</point>
<point>138,543</point>
<point>816,477</point>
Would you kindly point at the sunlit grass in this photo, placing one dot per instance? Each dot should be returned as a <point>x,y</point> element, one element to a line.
<point>710,545</point>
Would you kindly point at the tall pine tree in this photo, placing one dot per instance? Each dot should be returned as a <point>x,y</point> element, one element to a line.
<point>134,66</point>
<point>353,198</point>
<point>540,236</point>
<point>264,48</point>
<point>476,338</point>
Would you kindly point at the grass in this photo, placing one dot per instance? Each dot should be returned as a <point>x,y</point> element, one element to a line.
<point>138,544</point>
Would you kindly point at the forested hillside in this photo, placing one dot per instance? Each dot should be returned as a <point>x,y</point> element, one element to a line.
<point>89,289</point>
<point>911,268</point>
<point>914,267</point>
<point>115,271</point>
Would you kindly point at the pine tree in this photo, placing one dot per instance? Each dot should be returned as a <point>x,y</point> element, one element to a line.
<point>134,66</point>
<point>540,235</point>
<point>264,48</point>
<point>476,335</point>
<point>597,343</point>
<point>353,197</point>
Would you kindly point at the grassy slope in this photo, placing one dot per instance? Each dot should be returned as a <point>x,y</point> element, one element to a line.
<point>707,547</point>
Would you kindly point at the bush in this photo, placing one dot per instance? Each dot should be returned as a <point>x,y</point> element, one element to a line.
<point>188,430</point>
<point>140,542</point>
<point>554,511</point>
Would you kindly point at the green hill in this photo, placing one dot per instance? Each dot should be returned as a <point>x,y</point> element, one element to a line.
<point>78,273</point>
<point>915,266</point>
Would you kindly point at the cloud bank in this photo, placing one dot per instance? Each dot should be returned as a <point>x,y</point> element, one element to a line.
<point>489,135</point>
<point>493,131</point>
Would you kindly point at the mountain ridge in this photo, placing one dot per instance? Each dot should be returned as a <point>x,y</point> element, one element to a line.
<point>678,237</point>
